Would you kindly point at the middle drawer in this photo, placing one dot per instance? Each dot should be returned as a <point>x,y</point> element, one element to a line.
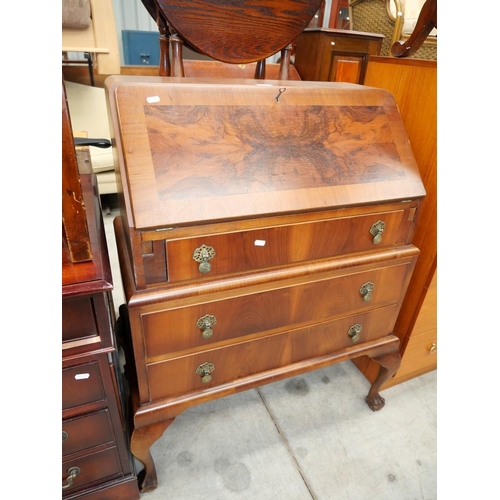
<point>167,332</point>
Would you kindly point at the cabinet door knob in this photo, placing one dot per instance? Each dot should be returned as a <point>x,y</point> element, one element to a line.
<point>72,473</point>
<point>366,291</point>
<point>376,231</point>
<point>354,332</point>
<point>202,255</point>
<point>204,370</point>
<point>205,324</point>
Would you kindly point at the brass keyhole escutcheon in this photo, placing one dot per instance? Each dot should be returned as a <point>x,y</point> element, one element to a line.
<point>204,370</point>
<point>72,473</point>
<point>376,231</point>
<point>354,332</point>
<point>205,324</point>
<point>366,291</point>
<point>202,255</point>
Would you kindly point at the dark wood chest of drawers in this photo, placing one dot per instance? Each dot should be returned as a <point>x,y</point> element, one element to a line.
<point>96,462</point>
<point>265,230</point>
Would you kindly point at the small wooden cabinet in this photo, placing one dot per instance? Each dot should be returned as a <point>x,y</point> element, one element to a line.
<point>333,55</point>
<point>96,462</point>
<point>265,230</point>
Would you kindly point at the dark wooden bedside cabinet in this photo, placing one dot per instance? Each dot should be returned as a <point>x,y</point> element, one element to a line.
<point>96,462</point>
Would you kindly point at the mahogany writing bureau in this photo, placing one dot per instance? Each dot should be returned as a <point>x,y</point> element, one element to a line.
<point>265,230</point>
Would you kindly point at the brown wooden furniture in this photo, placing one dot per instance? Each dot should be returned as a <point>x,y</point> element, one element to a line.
<point>331,55</point>
<point>74,217</point>
<point>426,22</point>
<point>232,32</point>
<point>413,83</point>
<point>96,462</point>
<point>265,230</point>
<point>95,458</point>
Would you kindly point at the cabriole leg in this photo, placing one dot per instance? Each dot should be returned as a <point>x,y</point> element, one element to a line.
<point>389,363</point>
<point>141,441</point>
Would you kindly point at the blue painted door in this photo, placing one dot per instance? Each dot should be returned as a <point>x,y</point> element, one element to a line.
<point>141,47</point>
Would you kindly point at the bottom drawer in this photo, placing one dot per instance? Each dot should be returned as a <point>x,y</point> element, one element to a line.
<point>420,354</point>
<point>179,375</point>
<point>90,469</point>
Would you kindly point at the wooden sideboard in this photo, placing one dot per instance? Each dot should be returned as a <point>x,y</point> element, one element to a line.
<point>96,461</point>
<point>265,230</point>
<point>333,55</point>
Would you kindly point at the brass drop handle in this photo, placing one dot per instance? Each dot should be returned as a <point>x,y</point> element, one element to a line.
<point>376,231</point>
<point>64,435</point>
<point>202,255</point>
<point>204,370</point>
<point>72,473</point>
<point>205,324</point>
<point>433,348</point>
<point>354,332</point>
<point>366,291</point>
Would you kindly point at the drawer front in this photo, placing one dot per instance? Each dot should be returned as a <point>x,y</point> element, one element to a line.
<point>277,246</point>
<point>167,332</point>
<point>84,433</point>
<point>81,385</point>
<point>90,469</point>
<point>179,376</point>
<point>86,317</point>
<point>420,354</point>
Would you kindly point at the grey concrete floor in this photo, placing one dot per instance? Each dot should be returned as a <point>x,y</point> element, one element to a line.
<point>308,437</point>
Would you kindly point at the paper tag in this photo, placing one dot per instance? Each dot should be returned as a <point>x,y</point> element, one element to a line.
<point>259,243</point>
<point>153,99</point>
<point>82,376</point>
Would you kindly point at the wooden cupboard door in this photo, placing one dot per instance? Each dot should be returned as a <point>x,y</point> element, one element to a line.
<point>189,373</point>
<point>348,68</point>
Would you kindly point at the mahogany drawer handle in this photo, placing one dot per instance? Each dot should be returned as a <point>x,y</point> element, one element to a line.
<point>202,255</point>
<point>72,473</point>
<point>205,324</point>
<point>366,291</point>
<point>354,332</point>
<point>204,370</point>
<point>376,231</point>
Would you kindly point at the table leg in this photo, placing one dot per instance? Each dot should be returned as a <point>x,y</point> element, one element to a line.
<point>140,443</point>
<point>389,363</point>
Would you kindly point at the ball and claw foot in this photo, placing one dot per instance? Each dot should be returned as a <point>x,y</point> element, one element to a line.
<point>389,363</point>
<point>375,404</point>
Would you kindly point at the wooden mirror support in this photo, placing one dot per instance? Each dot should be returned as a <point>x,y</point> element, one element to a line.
<point>426,22</point>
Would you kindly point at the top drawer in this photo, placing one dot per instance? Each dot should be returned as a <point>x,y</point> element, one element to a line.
<point>250,250</point>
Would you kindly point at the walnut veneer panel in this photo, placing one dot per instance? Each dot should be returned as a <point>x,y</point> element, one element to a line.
<point>321,299</point>
<point>178,376</point>
<point>331,137</point>
<point>275,246</point>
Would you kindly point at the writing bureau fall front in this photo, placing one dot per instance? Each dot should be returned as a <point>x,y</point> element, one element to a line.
<point>265,230</point>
